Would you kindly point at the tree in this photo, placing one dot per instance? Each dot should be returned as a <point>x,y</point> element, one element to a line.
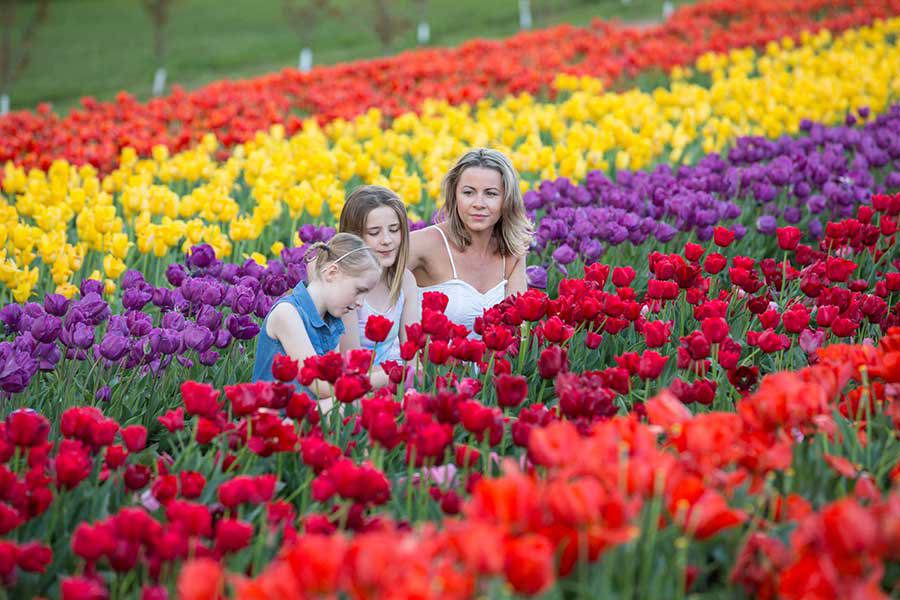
<point>160,13</point>
<point>15,58</point>
<point>389,25</point>
<point>303,17</point>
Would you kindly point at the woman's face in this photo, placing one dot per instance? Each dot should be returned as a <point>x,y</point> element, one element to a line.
<point>383,234</point>
<point>479,198</point>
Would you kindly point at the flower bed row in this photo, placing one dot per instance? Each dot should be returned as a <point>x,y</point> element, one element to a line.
<point>689,427</point>
<point>760,183</point>
<point>236,111</point>
<point>64,224</point>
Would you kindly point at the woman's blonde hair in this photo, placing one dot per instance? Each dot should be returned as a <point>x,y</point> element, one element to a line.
<point>357,207</point>
<point>514,231</point>
<point>347,251</point>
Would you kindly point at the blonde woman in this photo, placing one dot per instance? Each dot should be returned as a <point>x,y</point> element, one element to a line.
<point>476,253</point>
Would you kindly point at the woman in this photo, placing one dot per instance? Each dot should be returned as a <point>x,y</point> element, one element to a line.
<point>476,253</point>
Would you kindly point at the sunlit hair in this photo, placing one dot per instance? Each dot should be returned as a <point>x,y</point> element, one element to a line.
<point>347,251</point>
<point>357,207</point>
<point>514,230</point>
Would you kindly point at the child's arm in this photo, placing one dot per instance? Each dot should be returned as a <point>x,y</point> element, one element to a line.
<point>412,309</point>
<point>285,325</point>
<point>350,339</point>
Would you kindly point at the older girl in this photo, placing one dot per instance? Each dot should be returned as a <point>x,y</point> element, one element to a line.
<point>378,216</point>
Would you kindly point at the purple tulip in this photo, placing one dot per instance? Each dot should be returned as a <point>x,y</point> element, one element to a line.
<point>47,355</point>
<point>223,338</point>
<point>209,317</point>
<point>139,323</point>
<point>46,328</point>
<point>162,298</point>
<point>11,316</point>
<point>91,286</point>
<point>133,279</point>
<point>176,274</point>
<point>564,255</point>
<point>173,320</point>
<point>536,277</point>
<point>165,341</point>
<point>113,347</point>
<point>56,304</point>
<point>82,336</point>
<point>16,368</point>
<point>197,337</point>
<point>201,256</point>
<point>103,394</point>
<point>92,309</point>
<point>135,298</point>
<point>243,299</point>
<point>242,327</point>
<point>208,358</point>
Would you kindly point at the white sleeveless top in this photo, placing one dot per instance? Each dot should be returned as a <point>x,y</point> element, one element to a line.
<point>465,302</point>
<point>389,349</point>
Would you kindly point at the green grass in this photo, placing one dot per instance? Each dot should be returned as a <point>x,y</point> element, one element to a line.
<point>98,47</point>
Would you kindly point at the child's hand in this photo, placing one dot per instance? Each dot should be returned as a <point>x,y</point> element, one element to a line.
<point>414,375</point>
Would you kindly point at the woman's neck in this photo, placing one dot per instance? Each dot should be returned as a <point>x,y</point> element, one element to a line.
<point>314,288</point>
<point>481,243</point>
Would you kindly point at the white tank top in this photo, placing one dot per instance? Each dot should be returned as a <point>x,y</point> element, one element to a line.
<point>465,302</point>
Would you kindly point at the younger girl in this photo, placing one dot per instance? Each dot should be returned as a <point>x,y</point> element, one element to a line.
<point>308,321</point>
<point>378,216</point>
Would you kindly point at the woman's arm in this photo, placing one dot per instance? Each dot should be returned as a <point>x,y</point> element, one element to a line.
<point>516,282</point>
<point>412,309</point>
<point>285,325</point>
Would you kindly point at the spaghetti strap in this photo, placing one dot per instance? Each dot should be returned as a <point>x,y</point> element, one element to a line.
<point>449,254</point>
<point>503,274</point>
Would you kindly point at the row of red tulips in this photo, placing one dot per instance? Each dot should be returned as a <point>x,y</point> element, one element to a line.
<point>556,392</point>
<point>236,110</point>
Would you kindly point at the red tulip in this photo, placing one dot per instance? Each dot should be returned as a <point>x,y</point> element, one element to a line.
<point>788,238</point>
<point>511,390</point>
<point>651,364</point>
<point>552,360</point>
<point>723,237</point>
<point>284,368</point>
<point>200,399</point>
<point>378,328</point>
<point>232,535</point>
<point>348,388</point>
<point>528,564</point>
<point>135,437</point>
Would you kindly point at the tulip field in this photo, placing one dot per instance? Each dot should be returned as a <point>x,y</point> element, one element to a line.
<point>697,397</point>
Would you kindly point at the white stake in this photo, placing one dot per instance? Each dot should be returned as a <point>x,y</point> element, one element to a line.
<point>668,9</point>
<point>306,59</point>
<point>423,33</point>
<point>524,14</point>
<point>4,104</point>
<point>159,81</point>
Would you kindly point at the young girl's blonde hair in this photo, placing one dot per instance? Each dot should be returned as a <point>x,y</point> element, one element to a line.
<point>513,231</point>
<point>357,207</point>
<point>346,250</point>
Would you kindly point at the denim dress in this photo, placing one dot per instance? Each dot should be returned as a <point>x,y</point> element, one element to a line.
<point>324,333</point>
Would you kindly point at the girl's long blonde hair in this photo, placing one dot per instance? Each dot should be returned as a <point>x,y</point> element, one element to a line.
<point>514,231</point>
<point>357,207</point>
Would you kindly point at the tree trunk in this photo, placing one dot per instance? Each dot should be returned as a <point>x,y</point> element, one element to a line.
<point>8,22</point>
